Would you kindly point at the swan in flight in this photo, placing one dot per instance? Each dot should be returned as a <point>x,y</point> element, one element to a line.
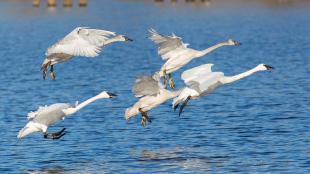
<point>177,54</point>
<point>82,41</point>
<point>200,81</point>
<point>152,94</point>
<point>46,116</point>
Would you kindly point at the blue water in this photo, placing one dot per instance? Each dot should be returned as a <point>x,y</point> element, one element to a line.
<point>257,125</point>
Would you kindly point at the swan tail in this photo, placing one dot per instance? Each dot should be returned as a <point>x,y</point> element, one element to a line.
<point>26,131</point>
<point>31,128</point>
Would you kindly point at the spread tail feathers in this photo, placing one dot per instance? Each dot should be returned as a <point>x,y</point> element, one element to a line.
<point>26,131</point>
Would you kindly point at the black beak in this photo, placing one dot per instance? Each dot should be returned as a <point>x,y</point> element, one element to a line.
<point>128,39</point>
<point>269,67</point>
<point>111,95</point>
<point>237,43</point>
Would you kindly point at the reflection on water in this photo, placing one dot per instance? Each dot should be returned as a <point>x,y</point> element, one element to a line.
<point>55,170</point>
<point>187,158</point>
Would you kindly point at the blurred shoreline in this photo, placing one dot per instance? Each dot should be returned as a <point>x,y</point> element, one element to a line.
<point>198,3</point>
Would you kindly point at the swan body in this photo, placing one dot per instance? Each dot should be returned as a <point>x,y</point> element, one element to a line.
<point>151,93</point>
<point>149,102</point>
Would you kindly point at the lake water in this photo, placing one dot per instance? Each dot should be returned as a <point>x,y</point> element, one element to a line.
<point>257,125</point>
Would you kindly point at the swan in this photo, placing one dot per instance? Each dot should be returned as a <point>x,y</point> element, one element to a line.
<point>46,116</point>
<point>200,81</point>
<point>151,93</point>
<point>82,41</point>
<point>177,54</point>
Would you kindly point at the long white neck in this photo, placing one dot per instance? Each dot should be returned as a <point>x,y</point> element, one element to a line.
<point>73,110</point>
<point>230,79</point>
<point>210,49</point>
<point>114,39</point>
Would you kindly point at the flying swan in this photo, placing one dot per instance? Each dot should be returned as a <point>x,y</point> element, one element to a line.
<point>200,81</point>
<point>82,41</point>
<point>153,94</point>
<point>46,116</point>
<point>177,54</point>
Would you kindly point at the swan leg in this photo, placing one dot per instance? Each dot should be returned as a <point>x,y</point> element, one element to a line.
<point>55,135</point>
<point>165,78</point>
<point>171,81</point>
<point>145,118</point>
<point>52,73</point>
<point>45,68</point>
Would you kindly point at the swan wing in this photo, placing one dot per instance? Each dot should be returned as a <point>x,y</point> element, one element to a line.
<point>81,41</point>
<point>49,115</point>
<point>145,85</point>
<point>202,79</point>
<point>168,46</point>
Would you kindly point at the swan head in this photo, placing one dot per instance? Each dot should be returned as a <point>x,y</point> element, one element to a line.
<point>123,38</point>
<point>264,67</point>
<point>233,42</point>
<point>106,94</point>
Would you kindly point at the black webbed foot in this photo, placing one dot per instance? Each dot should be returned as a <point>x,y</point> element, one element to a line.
<point>55,135</point>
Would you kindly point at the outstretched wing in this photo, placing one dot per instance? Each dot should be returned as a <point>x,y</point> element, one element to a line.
<point>168,46</point>
<point>146,85</point>
<point>48,115</point>
<point>202,79</point>
<point>81,41</point>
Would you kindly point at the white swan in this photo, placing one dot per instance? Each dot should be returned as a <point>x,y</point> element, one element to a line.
<point>153,94</point>
<point>177,54</point>
<point>46,116</point>
<point>201,81</point>
<point>82,41</point>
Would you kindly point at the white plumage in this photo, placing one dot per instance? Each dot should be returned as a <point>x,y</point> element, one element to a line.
<point>46,116</point>
<point>82,41</point>
<point>177,54</point>
<point>201,81</point>
<point>152,94</point>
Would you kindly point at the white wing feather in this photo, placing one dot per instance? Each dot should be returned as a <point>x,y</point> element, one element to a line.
<point>168,46</point>
<point>81,42</point>
<point>201,78</point>
<point>33,114</point>
<point>200,81</point>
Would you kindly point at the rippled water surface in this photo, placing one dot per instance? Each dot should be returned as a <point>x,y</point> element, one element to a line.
<point>259,124</point>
